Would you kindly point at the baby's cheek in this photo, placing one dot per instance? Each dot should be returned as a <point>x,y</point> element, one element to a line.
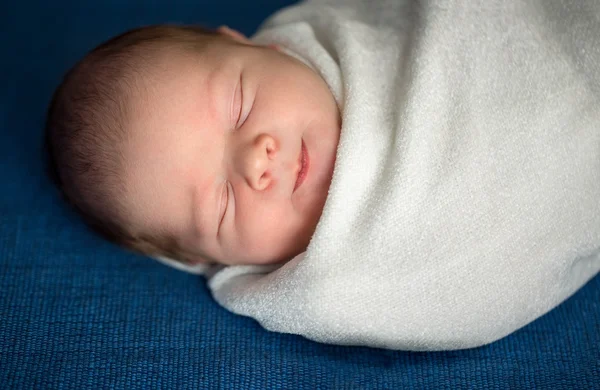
<point>272,236</point>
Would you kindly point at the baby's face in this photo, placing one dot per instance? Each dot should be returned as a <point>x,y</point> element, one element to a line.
<point>231,150</point>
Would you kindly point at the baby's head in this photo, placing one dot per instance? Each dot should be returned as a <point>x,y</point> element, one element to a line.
<point>195,145</point>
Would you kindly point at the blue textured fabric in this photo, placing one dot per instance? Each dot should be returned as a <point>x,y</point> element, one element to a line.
<point>76,312</point>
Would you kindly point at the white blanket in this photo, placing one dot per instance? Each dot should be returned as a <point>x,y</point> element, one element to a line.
<point>465,201</point>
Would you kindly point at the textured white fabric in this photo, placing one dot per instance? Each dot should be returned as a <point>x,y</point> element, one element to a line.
<point>465,201</point>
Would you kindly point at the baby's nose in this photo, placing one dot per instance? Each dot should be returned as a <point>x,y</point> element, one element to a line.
<point>256,160</point>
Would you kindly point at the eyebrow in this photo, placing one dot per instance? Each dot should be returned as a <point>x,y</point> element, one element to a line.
<point>196,213</point>
<point>202,201</point>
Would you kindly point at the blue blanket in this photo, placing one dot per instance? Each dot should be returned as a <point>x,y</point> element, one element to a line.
<point>76,312</point>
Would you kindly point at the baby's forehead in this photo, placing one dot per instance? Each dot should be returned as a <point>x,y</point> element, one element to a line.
<point>169,80</point>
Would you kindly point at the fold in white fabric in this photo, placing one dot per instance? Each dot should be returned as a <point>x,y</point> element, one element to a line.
<point>465,201</point>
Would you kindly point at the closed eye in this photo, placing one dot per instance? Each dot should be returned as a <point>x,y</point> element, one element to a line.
<point>244,112</point>
<point>223,205</point>
<point>237,104</point>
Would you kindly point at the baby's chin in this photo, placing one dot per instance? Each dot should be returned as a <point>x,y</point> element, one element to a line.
<point>267,259</point>
<point>203,261</point>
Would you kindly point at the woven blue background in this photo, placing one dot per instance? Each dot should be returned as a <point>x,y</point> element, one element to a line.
<point>76,312</point>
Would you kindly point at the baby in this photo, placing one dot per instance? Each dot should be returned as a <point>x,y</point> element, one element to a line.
<point>464,199</point>
<point>195,145</point>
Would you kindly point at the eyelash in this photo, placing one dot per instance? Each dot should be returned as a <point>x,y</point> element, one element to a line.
<point>238,114</point>
<point>226,195</point>
<point>241,118</point>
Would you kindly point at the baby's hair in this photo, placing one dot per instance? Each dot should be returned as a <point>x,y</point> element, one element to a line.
<point>85,131</point>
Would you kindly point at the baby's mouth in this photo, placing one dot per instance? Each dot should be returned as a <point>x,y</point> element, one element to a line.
<point>304,163</point>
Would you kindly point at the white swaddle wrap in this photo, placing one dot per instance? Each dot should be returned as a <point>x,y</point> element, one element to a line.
<point>465,201</point>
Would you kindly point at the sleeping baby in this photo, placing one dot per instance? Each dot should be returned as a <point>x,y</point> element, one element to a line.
<point>417,175</point>
<point>200,146</point>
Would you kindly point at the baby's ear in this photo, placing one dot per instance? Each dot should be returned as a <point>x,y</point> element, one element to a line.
<point>234,34</point>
